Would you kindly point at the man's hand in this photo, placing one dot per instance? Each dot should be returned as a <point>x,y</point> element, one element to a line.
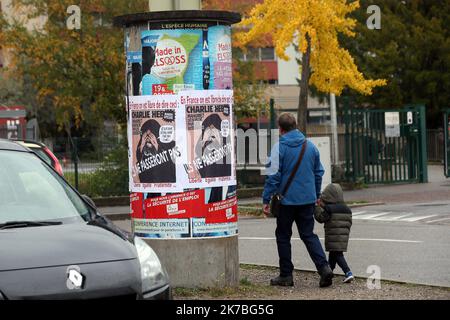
<point>266,209</point>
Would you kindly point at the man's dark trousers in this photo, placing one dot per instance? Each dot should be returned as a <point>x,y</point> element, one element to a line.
<point>304,219</point>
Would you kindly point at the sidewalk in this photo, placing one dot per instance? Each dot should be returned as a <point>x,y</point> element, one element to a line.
<point>437,189</point>
<point>254,284</point>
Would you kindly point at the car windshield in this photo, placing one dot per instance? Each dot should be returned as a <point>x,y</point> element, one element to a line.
<point>31,191</point>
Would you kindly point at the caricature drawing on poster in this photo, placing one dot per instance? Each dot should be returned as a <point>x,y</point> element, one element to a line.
<point>209,132</point>
<point>153,144</point>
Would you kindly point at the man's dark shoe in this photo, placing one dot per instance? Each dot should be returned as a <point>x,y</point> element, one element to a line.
<point>282,281</point>
<point>326,276</point>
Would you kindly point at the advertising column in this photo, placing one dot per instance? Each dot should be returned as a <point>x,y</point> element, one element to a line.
<point>182,172</point>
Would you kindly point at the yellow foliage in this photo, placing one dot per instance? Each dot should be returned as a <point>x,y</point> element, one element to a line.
<point>291,21</point>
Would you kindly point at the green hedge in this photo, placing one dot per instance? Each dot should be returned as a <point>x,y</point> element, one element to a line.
<point>111,179</point>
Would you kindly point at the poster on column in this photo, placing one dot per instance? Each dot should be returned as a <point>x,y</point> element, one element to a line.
<point>186,56</point>
<point>220,205</point>
<point>209,139</point>
<point>154,149</point>
<point>200,213</point>
<point>219,39</point>
<point>171,60</point>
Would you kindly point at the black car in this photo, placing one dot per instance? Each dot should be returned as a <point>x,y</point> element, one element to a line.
<point>54,244</point>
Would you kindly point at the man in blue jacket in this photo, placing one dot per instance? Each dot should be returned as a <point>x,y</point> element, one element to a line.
<point>299,201</point>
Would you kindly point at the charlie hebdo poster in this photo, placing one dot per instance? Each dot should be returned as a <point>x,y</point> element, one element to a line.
<point>181,141</point>
<point>154,149</point>
<point>182,165</point>
<point>209,136</point>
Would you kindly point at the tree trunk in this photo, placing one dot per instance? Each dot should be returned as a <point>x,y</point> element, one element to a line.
<point>304,83</point>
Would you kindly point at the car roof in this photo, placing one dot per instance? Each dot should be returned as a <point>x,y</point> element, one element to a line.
<point>30,144</point>
<point>12,146</point>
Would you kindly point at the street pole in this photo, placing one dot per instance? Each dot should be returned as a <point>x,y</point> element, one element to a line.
<point>334,128</point>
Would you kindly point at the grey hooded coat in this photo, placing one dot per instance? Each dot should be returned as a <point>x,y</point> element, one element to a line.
<point>337,218</point>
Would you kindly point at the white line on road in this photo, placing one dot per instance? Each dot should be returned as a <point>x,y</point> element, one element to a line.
<point>392,218</point>
<point>386,240</point>
<point>414,219</point>
<point>358,212</point>
<point>443,219</point>
<point>371,216</point>
<point>352,239</point>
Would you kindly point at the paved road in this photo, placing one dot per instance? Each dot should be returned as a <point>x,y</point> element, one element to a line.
<point>409,242</point>
<point>405,251</point>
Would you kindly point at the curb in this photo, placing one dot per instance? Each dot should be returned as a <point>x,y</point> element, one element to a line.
<point>125,200</point>
<point>112,201</point>
<point>117,216</point>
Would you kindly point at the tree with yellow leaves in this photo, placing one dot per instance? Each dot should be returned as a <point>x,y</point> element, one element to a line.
<point>313,25</point>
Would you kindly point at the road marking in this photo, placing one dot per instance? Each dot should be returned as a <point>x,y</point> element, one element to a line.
<point>386,240</point>
<point>371,216</point>
<point>392,218</point>
<point>351,239</point>
<point>419,218</point>
<point>384,216</point>
<point>443,219</point>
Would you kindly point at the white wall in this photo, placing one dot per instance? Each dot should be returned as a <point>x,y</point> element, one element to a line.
<point>324,146</point>
<point>289,71</point>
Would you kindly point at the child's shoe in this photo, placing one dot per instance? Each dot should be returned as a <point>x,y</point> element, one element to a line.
<point>348,277</point>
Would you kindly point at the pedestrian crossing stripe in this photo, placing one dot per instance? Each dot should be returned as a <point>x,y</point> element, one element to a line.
<point>396,216</point>
<point>373,215</point>
<point>438,220</point>
<point>414,219</point>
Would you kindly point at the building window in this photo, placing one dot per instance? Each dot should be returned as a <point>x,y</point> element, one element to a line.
<point>267,54</point>
<point>252,54</point>
<point>319,116</point>
<point>257,54</point>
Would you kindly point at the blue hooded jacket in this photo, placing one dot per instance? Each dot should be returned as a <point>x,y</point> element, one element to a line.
<point>306,185</point>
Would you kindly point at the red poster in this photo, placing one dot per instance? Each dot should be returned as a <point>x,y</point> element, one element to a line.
<point>176,206</point>
<point>136,204</point>
<point>222,211</point>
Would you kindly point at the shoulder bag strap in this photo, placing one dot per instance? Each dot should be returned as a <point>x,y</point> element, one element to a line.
<point>291,177</point>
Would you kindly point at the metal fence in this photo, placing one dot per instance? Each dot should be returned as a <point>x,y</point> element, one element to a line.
<point>249,175</point>
<point>435,145</point>
<point>95,166</point>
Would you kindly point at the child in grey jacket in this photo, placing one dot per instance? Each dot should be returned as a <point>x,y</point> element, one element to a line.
<point>337,219</point>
